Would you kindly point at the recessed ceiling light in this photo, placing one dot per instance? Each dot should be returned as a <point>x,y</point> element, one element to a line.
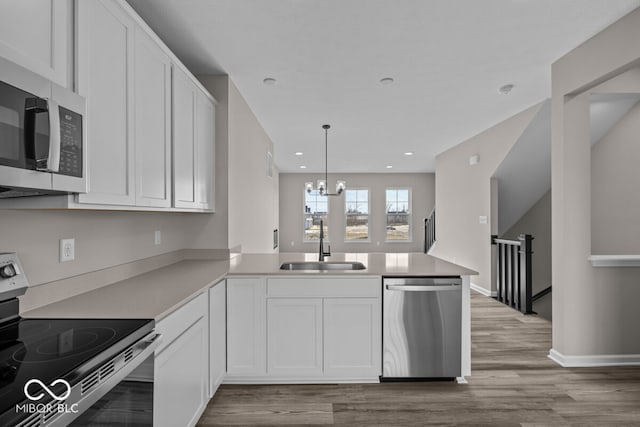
<point>386,80</point>
<point>298,153</point>
<point>269,81</point>
<point>504,90</point>
<point>303,167</point>
<point>389,166</point>
<point>409,153</point>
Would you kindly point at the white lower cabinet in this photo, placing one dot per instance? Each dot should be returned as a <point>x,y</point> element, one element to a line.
<point>294,336</point>
<point>181,368</point>
<point>246,327</point>
<point>301,329</point>
<point>352,343</point>
<point>217,335</point>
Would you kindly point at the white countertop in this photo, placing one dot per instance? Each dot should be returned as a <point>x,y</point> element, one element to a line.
<point>156,294</point>
<point>151,295</point>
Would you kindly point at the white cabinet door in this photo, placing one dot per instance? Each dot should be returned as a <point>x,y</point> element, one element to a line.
<point>193,144</point>
<point>180,381</point>
<point>205,141</point>
<point>184,141</point>
<point>105,78</point>
<point>352,337</point>
<point>294,336</point>
<point>246,329</point>
<point>37,35</point>
<point>217,336</point>
<point>152,122</point>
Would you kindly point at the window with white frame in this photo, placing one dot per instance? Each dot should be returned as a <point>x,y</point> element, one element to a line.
<point>398,202</point>
<point>357,215</point>
<point>316,208</point>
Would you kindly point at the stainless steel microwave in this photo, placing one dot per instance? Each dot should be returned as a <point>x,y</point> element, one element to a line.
<point>42,143</point>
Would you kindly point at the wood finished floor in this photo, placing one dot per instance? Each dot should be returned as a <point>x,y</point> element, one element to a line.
<point>513,383</point>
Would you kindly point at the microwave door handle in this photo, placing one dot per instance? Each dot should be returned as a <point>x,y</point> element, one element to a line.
<point>53,162</point>
<point>32,107</point>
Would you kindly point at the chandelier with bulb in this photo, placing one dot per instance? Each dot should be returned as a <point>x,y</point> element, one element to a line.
<point>322,183</point>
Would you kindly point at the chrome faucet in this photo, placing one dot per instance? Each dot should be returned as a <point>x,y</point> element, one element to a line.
<point>322,253</point>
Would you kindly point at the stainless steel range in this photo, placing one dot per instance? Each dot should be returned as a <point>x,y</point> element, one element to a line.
<point>52,370</point>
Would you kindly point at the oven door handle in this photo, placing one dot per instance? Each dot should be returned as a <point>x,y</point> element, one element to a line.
<point>152,340</point>
<point>418,288</point>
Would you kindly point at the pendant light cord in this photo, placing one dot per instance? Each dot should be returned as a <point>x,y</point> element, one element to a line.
<point>326,158</point>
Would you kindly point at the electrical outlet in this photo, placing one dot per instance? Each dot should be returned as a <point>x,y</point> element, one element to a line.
<point>157,238</point>
<point>67,250</point>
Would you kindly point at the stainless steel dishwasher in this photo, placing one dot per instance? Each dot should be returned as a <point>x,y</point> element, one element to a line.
<point>421,327</point>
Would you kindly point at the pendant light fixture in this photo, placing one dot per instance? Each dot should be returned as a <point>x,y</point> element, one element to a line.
<point>322,183</point>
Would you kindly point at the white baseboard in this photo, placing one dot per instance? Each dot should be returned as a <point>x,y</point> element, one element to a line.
<point>594,360</point>
<point>483,291</point>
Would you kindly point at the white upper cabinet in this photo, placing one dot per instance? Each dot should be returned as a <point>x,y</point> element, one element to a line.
<point>152,122</point>
<point>125,73</point>
<point>36,34</point>
<point>205,143</point>
<point>105,78</point>
<point>193,144</point>
<point>184,140</point>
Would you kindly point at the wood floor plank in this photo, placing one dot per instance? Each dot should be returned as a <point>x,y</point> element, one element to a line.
<point>291,413</point>
<point>513,383</point>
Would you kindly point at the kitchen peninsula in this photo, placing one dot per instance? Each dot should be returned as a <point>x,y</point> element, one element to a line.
<point>244,320</point>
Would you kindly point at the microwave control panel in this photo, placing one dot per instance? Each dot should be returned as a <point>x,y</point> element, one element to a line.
<point>70,143</point>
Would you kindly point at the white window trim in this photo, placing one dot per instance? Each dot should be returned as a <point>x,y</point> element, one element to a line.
<point>410,239</point>
<point>368,239</point>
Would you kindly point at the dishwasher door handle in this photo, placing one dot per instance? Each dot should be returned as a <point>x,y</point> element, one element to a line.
<point>417,288</point>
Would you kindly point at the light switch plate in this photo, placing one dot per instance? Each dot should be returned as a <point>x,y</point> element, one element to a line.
<point>483,219</point>
<point>157,237</point>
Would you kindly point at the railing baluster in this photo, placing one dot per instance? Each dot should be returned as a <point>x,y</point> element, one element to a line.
<point>509,275</point>
<point>514,276</point>
<point>516,280</point>
<point>500,274</point>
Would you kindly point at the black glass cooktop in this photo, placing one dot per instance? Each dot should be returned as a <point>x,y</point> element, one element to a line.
<point>50,349</point>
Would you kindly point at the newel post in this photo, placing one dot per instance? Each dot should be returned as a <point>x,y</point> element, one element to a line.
<point>526,277</point>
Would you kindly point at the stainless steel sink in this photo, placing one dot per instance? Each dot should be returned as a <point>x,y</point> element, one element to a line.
<point>326,265</point>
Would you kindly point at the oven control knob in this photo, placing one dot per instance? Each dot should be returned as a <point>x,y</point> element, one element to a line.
<point>7,271</point>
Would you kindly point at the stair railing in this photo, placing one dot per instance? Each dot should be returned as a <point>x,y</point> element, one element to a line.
<point>429,230</point>
<point>513,275</point>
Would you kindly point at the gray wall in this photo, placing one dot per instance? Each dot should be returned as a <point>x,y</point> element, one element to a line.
<point>102,239</point>
<point>615,197</point>
<point>464,193</point>
<point>292,209</point>
<point>594,309</point>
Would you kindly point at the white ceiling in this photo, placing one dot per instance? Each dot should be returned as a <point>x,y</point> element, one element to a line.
<point>448,58</point>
